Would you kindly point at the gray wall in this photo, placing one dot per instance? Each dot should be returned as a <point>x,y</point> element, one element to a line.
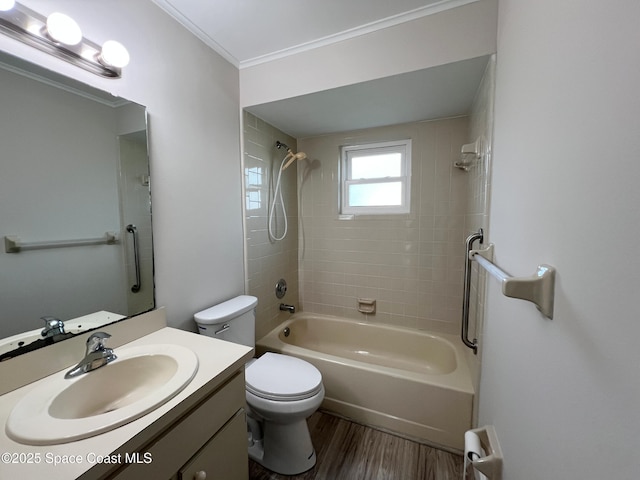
<point>564,393</point>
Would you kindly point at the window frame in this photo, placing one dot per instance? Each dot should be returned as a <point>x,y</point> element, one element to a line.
<point>347,153</point>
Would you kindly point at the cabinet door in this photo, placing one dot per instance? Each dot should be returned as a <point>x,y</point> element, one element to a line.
<point>224,457</point>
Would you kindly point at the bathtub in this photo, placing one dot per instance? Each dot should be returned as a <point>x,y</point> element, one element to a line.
<point>407,381</point>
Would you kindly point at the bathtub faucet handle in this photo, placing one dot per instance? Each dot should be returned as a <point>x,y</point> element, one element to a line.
<point>287,308</point>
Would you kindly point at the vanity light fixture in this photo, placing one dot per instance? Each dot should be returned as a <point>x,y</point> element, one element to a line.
<point>63,29</point>
<point>60,35</point>
<point>113,54</point>
<point>6,5</point>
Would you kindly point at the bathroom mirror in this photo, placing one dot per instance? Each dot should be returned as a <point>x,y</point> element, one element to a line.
<point>75,207</point>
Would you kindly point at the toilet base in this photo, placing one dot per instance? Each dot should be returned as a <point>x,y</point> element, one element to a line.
<point>285,448</point>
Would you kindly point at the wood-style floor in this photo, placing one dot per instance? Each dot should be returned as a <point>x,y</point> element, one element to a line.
<point>349,451</point>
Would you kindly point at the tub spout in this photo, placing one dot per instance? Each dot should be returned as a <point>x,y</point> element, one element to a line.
<point>287,308</point>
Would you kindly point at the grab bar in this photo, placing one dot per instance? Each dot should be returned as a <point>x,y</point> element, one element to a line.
<point>136,256</point>
<point>13,244</point>
<point>464,334</point>
<point>538,289</point>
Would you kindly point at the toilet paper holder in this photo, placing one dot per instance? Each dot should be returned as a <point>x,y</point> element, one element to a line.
<point>489,460</point>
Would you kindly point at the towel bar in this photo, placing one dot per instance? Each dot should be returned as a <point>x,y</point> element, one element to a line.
<point>538,288</point>
<point>13,244</point>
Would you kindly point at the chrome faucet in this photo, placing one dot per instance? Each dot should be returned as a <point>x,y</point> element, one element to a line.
<point>52,326</point>
<point>97,355</point>
<point>287,308</point>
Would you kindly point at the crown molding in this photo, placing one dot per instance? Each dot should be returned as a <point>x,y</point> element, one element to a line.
<point>358,31</point>
<point>197,31</point>
<point>321,42</point>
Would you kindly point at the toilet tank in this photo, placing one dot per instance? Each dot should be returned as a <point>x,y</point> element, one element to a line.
<point>233,320</point>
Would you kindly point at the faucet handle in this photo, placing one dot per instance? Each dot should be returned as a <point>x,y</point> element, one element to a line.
<point>96,341</point>
<point>48,320</point>
<point>97,355</point>
<point>52,325</point>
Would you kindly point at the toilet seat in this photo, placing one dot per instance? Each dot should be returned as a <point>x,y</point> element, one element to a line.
<point>282,378</point>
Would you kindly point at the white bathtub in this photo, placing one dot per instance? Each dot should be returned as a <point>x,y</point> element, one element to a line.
<point>407,381</point>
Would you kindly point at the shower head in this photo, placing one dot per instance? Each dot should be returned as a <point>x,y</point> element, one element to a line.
<point>294,156</point>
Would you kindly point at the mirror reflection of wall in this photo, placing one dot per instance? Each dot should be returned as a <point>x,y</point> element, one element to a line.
<point>135,209</point>
<point>72,166</point>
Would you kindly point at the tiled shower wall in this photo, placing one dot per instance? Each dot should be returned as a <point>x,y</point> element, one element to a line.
<point>479,183</point>
<point>412,265</point>
<point>481,126</point>
<point>268,261</point>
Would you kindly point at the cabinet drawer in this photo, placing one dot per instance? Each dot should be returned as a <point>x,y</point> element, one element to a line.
<point>225,457</point>
<point>176,446</point>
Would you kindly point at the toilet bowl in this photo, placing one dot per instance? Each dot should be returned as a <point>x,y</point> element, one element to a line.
<point>281,391</point>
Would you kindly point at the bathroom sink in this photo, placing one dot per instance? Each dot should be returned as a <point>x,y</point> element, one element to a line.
<point>63,410</point>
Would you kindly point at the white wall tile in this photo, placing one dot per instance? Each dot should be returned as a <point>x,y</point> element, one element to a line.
<point>390,258</point>
<point>268,261</point>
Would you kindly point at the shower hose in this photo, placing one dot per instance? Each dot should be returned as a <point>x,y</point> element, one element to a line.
<point>276,193</point>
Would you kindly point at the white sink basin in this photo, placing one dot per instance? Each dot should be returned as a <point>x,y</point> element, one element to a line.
<point>139,381</point>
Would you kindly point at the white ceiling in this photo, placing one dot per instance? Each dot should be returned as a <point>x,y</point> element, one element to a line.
<point>438,92</point>
<point>249,32</point>
<point>246,32</point>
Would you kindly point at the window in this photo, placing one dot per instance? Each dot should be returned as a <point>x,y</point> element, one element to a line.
<point>253,188</point>
<point>376,178</point>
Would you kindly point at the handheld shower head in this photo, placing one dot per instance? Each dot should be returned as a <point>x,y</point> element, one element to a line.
<point>294,157</point>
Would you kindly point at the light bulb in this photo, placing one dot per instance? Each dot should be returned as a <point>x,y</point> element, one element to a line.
<point>6,5</point>
<point>63,29</point>
<point>114,54</point>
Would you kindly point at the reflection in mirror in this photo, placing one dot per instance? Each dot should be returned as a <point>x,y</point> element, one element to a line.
<point>74,202</point>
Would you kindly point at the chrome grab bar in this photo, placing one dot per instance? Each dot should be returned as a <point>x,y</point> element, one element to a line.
<point>464,334</point>
<point>131,228</point>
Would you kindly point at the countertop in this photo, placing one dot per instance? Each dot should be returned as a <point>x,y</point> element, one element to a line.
<point>89,458</point>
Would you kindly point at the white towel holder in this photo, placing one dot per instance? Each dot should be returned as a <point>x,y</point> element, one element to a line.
<point>14,244</point>
<point>538,288</point>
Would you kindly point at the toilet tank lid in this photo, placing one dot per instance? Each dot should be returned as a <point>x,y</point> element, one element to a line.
<point>226,310</point>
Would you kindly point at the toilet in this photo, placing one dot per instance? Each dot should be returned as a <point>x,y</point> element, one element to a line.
<point>281,391</point>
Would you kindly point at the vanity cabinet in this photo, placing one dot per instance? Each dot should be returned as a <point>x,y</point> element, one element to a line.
<point>208,442</point>
<point>223,457</point>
